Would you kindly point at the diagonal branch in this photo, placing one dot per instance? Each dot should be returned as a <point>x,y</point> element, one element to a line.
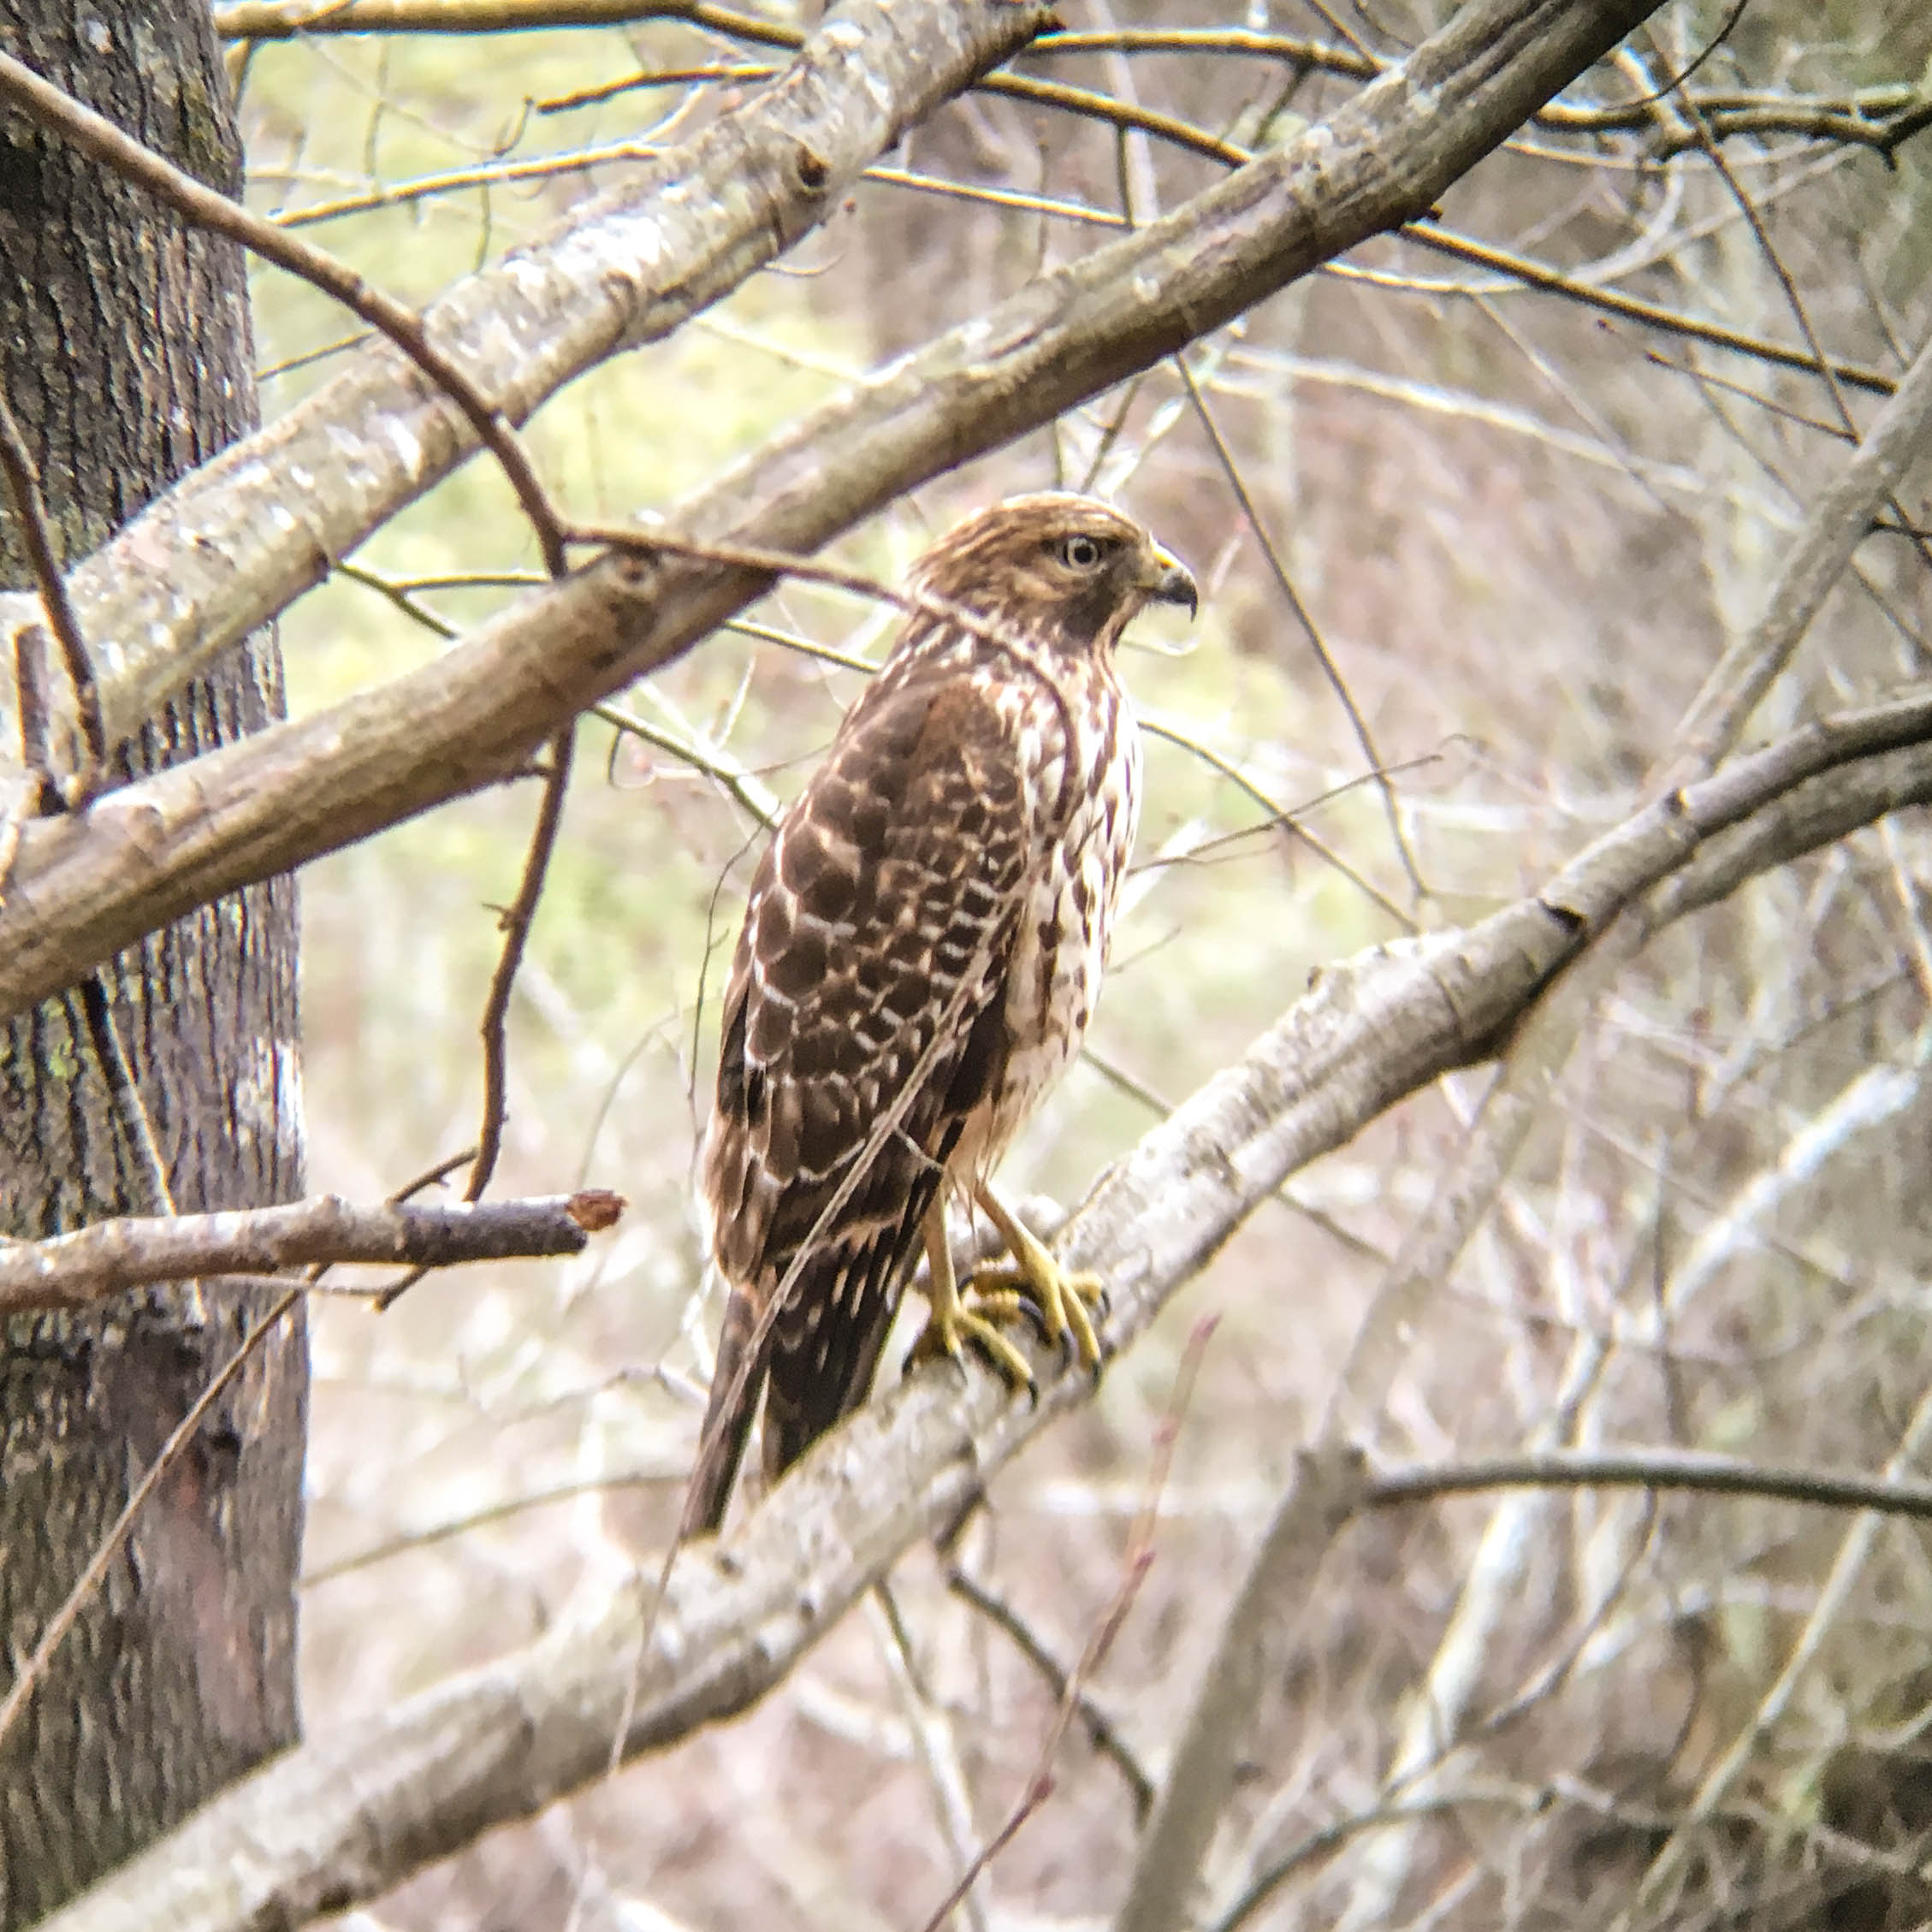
<point>1837,523</point>
<point>348,1815</point>
<point>90,885</point>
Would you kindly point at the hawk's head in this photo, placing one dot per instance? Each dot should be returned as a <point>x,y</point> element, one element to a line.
<point>1066,570</point>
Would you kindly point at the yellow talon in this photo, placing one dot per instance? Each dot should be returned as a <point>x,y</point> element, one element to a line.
<point>1031,1283</point>
<point>947,1331</point>
<point>1061,1296</point>
<point>952,1324</point>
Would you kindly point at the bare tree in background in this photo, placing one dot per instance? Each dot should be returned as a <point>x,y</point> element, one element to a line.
<point>1542,395</point>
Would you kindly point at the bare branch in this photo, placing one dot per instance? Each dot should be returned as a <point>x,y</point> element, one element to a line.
<point>107,1257</point>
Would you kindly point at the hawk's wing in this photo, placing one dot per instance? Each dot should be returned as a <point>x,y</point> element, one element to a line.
<point>870,972</point>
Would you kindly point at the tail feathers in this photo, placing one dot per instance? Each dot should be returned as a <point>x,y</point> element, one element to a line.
<point>737,1383</point>
<point>825,1346</point>
<point>814,1367</point>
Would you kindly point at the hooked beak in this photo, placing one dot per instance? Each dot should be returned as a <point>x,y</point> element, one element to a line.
<point>1169,581</point>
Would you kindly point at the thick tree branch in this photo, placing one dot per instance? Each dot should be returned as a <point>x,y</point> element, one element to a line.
<point>92,883</point>
<point>71,1270</point>
<point>246,535</point>
<point>351,1813</point>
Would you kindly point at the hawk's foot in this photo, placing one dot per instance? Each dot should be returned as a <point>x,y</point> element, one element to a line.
<point>1061,1297</point>
<point>952,1324</point>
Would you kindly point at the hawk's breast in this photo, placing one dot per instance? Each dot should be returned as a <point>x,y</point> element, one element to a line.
<point>1086,820</point>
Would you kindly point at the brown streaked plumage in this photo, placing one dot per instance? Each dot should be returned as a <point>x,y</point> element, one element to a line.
<point>919,959</point>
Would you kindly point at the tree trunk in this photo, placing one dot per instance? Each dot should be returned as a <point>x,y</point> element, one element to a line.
<point>127,357</point>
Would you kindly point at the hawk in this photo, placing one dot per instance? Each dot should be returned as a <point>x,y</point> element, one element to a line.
<point>918,961</point>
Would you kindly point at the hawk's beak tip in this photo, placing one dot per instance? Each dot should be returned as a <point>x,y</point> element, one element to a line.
<point>1176,585</point>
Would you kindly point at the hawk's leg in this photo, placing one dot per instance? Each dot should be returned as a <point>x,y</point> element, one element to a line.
<point>952,1323</point>
<point>1062,1298</point>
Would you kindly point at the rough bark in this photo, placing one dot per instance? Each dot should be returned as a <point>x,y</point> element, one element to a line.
<point>126,355</point>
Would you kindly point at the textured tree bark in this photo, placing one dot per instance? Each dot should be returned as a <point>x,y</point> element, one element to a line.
<point>126,355</point>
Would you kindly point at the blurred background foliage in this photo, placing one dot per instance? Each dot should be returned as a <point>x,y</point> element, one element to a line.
<point>1523,529</point>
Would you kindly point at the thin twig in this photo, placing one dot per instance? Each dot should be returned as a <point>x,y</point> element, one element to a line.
<point>515,923</point>
<point>1138,1560</point>
<point>914,600</point>
<point>1377,766</point>
<point>412,1542</point>
<point>648,540</point>
<point>1671,322</point>
<point>1101,1731</point>
<point>431,1176</point>
<point>1769,404</point>
<point>516,935</point>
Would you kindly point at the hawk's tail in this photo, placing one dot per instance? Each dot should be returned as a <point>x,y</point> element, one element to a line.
<point>737,1383</point>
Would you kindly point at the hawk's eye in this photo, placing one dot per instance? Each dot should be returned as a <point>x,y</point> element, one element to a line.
<point>1080,553</point>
